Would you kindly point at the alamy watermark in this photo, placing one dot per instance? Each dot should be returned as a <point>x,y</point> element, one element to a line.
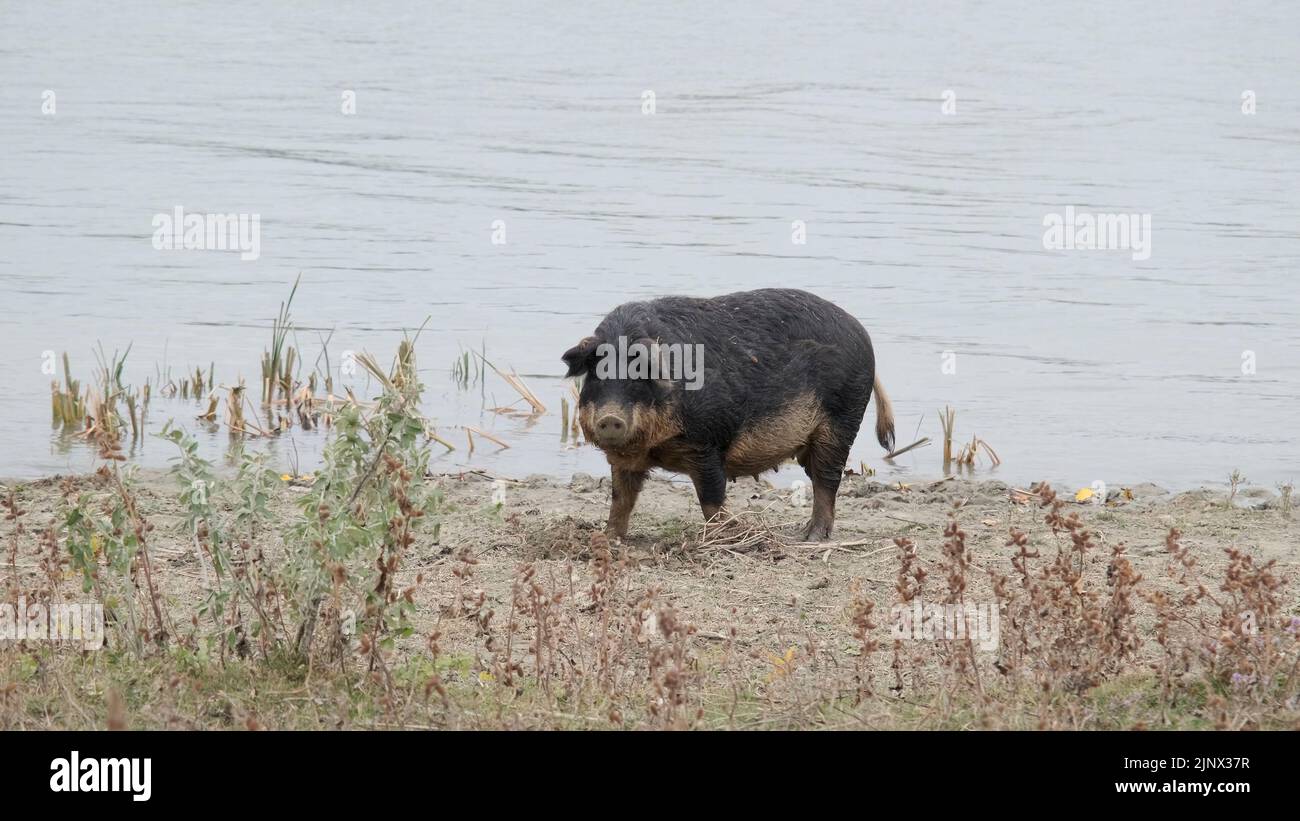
<point>651,360</point>
<point>60,621</point>
<point>1080,230</point>
<point>179,231</point>
<point>126,775</point>
<point>921,621</point>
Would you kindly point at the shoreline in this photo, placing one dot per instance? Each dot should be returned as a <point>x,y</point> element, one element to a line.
<point>1249,494</point>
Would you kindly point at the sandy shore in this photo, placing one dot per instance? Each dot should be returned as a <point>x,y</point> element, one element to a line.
<point>767,600</point>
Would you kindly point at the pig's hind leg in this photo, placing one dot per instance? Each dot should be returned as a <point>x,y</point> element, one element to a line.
<point>823,460</point>
<point>710,478</point>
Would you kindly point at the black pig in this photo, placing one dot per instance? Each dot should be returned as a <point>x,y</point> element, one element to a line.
<point>784,374</point>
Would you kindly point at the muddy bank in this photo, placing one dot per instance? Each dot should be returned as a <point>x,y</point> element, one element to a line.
<point>764,611</point>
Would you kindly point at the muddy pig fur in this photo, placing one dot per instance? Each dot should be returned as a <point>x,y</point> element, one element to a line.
<point>779,374</point>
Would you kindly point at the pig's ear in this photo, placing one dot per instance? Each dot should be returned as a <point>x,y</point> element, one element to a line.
<point>579,357</point>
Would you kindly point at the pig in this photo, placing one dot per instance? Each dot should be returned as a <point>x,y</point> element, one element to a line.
<point>727,387</point>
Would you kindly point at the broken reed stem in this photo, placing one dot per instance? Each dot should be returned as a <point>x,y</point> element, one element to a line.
<point>948,419</point>
<point>67,404</point>
<point>922,442</point>
<point>469,429</point>
<point>515,382</point>
<point>210,415</point>
<point>992,454</point>
<point>574,429</point>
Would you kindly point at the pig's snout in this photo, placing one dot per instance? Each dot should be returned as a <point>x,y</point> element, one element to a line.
<point>611,430</point>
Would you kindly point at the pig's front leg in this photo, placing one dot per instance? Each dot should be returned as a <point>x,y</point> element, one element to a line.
<point>626,488</point>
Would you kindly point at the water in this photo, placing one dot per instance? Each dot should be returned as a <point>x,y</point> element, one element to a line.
<point>1075,365</point>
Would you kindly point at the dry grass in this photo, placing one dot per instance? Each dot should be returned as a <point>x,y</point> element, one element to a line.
<point>736,534</point>
<point>582,635</point>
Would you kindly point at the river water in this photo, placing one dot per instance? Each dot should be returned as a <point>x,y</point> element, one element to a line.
<point>918,148</point>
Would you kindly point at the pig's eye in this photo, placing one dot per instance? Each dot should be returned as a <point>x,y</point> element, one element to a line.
<point>595,368</point>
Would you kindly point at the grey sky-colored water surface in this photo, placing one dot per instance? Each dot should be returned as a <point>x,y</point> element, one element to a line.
<point>1076,365</point>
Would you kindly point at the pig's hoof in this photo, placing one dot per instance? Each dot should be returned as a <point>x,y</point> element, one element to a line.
<point>816,532</point>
